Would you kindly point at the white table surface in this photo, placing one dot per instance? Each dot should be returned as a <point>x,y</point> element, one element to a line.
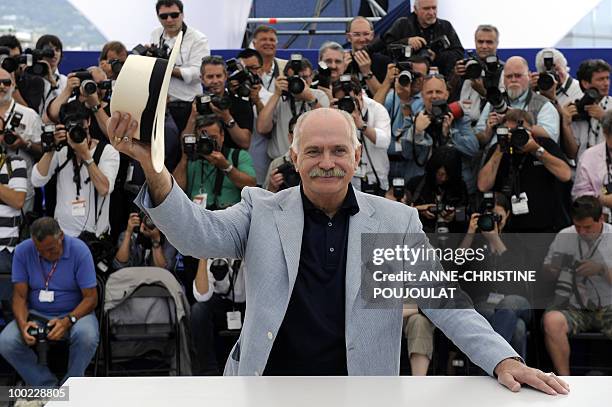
<point>429,391</point>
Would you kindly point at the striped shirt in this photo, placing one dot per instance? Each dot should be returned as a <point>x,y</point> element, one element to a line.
<point>16,179</point>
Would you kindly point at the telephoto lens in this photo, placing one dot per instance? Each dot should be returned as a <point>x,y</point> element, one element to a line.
<point>76,132</point>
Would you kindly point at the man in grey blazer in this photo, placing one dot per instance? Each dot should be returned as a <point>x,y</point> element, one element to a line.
<point>276,233</point>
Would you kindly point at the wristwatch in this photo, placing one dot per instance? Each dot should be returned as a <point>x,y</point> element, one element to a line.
<point>72,319</point>
<point>95,108</point>
<point>539,152</point>
<point>364,128</point>
<point>228,169</point>
<point>155,243</point>
<point>88,162</point>
<point>313,103</point>
<point>368,76</point>
<point>230,124</point>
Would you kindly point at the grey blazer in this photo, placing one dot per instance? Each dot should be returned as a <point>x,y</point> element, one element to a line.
<point>265,230</point>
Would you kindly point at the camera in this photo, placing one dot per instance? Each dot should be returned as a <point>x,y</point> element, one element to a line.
<point>245,78</point>
<point>198,145</point>
<point>590,97</point>
<point>347,102</point>
<point>497,100</point>
<point>547,79</point>
<point>75,130</point>
<point>219,268</point>
<point>296,84</point>
<point>511,139</point>
<point>88,85</point>
<point>439,44</point>
<point>440,207</point>
<point>9,132</point>
<point>488,217</point>
<point>291,177</point>
<point>405,78</point>
<point>203,103</point>
<point>48,139</point>
<point>322,76</point>
<point>398,188</point>
<point>152,50</point>
<point>439,110</point>
<point>473,67</point>
<point>40,333</point>
<point>564,288</point>
<point>116,66</point>
<point>492,73</point>
<point>31,58</point>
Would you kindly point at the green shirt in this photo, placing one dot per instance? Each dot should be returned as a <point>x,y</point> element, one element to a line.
<point>201,177</point>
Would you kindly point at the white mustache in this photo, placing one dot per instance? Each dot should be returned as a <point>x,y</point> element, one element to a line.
<point>334,172</point>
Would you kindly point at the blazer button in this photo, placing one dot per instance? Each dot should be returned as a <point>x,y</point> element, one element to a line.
<point>270,336</point>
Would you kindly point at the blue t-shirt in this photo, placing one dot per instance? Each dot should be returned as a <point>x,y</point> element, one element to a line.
<point>75,270</point>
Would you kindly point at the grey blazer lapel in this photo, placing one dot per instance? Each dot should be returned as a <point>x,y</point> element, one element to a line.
<point>289,219</point>
<point>362,222</point>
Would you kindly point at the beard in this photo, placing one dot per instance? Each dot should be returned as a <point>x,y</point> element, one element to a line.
<point>514,94</point>
<point>6,96</point>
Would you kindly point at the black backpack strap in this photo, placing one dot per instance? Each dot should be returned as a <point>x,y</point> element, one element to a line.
<point>235,157</point>
<point>68,159</point>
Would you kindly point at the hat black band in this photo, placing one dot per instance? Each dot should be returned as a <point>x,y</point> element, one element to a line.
<point>147,119</point>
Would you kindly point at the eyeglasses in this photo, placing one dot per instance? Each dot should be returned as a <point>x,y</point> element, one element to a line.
<point>6,82</point>
<point>361,34</point>
<point>164,16</point>
<point>514,75</point>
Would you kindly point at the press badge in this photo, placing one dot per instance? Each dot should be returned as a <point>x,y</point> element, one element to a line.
<point>233,320</point>
<point>519,205</point>
<point>495,298</point>
<point>46,296</point>
<point>200,199</point>
<point>398,146</point>
<point>130,173</point>
<point>78,207</point>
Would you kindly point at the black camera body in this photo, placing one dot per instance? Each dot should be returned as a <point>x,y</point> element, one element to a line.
<point>245,78</point>
<point>153,50</point>
<point>9,132</point>
<point>198,145</point>
<point>116,66</point>
<point>488,217</point>
<point>291,177</point>
<point>439,208</point>
<point>75,130</point>
<point>48,138</point>
<point>203,103</point>
<point>88,85</point>
<point>322,77</point>
<point>399,188</point>
<point>511,139</point>
<point>40,333</point>
<point>31,58</point>
<point>492,74</point>
<point>347,102</point>
<point>473,67</point>
<point>590,97</point>
<point>549,77</point>
<point>295,83</point>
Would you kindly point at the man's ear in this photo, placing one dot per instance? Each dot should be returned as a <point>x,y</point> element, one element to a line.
<point>357,156</point>
<point>294,157</point>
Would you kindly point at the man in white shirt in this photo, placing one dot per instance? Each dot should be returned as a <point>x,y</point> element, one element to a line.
<point>374,127</point>
<point>84,183</point>
<point>185,80</point>
<point>265,42</point>
<point>22,130</point>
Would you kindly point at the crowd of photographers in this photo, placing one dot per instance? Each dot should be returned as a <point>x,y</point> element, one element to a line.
<point>474,143</point>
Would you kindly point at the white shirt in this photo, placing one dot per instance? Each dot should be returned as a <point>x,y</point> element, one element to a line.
<point>259,144</point>
<point>30,129</point>
<point>470,99</point>
<point>16,182</point>
<point>572,93</point>
<point>51,93</point>
<point>193,48</point>
<point>378,119</point>
<point>268,78</point>
<point>589,132</point>
<point>67,192</point>
<point>222,287</point>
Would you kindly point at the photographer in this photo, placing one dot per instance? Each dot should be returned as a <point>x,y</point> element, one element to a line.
<point>581,257</point>
<point>55,82</point>
<point>582,118</point>
<point>504,305</point>
<point>401,95</point>
<point>281,173</point>
<point>468,86</point>
<point>374,132</point>
<point>235,112</point>
<point>335,58</point>
<point>258,149</point>
<point>142,244</point>
<point>21,133</point>
<point>553,80</point>
<point>88,87</point>
<point>54,296</point>
<point>369,68</point>
<point>184,83</point>
<point>29,88</point>
<point>594,173</point>
<point>439,194</point>
<point>528,169</point>
<point>425,32</point>
<point>265,42</point>
<point>441,124</point>
<point>286,103</point>
<point>219,289</point>
<point>86,171</point>
<point>112,58</point>
<point>518,96</point>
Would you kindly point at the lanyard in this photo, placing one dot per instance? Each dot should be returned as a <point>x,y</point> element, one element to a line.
<point>608,162</point>
<point>42,272</point>
<point>595,132</point>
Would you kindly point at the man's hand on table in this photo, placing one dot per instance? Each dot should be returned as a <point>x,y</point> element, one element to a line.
<point>512,373</point>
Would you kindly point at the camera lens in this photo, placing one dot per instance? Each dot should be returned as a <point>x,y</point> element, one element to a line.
<point>76,133</point>
<point>404,78</point>
<point>89,87</point>
<point>520,137</point>
<point>546,81</point>
<point>486,223</point>
<point>296,85</point>
<point>473,69</point>
<point>9,64</point>
<point>347,104</point>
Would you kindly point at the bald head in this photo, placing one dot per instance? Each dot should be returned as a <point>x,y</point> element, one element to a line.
<point>516,77</point>
<point>517,62</point>
<point>321,121</point>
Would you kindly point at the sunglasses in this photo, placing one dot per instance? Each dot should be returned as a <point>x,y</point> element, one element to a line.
<point>164,16</point>
<point>6,82</point>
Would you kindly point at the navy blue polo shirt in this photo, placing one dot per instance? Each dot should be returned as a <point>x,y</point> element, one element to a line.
<point>75,270</point>
<point>311,339</point>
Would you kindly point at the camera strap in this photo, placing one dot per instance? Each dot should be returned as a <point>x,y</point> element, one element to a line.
<point>595,132</point>
<point>10,115</point>
<point>365,147</point>
<point>564,89</point>
<point>162,41</point>
<point>515,174</point>
<point>293,107</point>
<point>609,163</point>
<point>220,174</point>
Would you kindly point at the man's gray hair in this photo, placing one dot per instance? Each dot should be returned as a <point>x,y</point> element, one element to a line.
<point>606,123</point>
<point>520,58</point>
<point>43,227</point>
<point>489,29</point>
<point>558,59</point>
<point>351,129</point>
<point>330,45</point>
